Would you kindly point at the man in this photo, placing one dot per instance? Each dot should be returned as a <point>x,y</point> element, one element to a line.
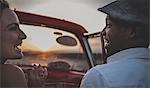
<point>127,40</point>
<point>11,37</point>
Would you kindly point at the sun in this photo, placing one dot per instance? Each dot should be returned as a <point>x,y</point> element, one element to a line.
<point>39,38</point>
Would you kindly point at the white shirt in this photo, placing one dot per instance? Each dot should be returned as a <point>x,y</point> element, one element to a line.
<point>126,69</point>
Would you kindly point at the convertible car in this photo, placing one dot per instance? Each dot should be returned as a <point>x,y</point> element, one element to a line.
<point>68,51</point>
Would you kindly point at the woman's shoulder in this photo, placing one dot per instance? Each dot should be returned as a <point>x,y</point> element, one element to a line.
<point>13,75</point>
<point>11,69</point>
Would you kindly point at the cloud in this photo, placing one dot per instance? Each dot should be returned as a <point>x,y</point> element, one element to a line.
<point>30,3</point>
<point>22,4</point>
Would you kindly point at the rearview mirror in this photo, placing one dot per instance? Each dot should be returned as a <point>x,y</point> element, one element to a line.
<point>66,40</point>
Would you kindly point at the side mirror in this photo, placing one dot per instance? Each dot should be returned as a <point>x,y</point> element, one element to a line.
<point>66,40</point>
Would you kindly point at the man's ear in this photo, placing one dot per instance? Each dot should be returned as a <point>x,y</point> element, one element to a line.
<point>131,32</point>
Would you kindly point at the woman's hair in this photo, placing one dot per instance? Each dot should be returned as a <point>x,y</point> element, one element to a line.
<point>3,5</point>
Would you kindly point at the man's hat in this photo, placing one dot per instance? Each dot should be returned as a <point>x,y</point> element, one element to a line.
<point>131,11</point>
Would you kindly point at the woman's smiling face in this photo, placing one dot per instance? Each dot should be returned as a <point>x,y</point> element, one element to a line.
<point>11,35</point>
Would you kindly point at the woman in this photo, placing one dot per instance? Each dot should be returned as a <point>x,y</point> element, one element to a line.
<point>11,37</point>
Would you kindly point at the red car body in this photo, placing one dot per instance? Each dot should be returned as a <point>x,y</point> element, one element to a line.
<point>59,78</point>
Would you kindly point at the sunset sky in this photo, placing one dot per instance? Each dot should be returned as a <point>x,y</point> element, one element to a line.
<point>83,12</point>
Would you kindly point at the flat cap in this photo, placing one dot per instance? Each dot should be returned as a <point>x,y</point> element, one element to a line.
<point>131,11</point>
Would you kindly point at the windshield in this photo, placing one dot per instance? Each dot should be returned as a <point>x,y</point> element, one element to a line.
<point>41,47</point>
<point>96,47</point>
